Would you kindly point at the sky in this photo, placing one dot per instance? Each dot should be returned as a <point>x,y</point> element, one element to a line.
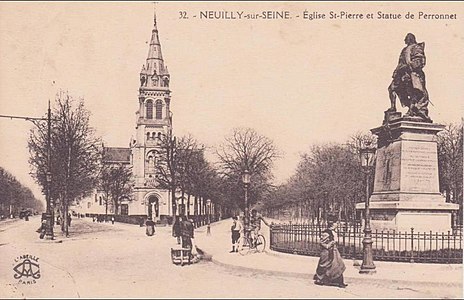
<point>298,81</point>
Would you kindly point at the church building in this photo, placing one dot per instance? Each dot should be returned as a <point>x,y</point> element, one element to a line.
<point>153,120</point>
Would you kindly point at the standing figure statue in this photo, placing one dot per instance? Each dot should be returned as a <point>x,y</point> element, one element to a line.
<point>409,80</point>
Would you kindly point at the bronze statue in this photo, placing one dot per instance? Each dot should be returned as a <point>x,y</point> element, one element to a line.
<point>409,80</point>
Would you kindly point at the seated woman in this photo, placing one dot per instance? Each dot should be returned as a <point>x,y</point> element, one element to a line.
<point>330,267</point>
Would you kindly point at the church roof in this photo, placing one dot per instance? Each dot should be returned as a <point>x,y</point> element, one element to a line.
<point>116,155</point>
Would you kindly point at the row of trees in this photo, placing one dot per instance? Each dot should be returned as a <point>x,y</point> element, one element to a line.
<point>184,170</point>
<point>15,197</point>
<point>328,179</point>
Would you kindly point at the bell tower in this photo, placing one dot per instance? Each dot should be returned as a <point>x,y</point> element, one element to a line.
<point>153,121</point>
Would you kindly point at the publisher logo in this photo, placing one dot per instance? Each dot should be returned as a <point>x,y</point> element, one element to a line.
<point>26,269</point>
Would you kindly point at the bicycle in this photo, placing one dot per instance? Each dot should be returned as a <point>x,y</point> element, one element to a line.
<point>247,246</point>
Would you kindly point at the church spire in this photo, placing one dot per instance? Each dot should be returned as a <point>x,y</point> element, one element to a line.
<point>154,73</point>
<point>154,16</point>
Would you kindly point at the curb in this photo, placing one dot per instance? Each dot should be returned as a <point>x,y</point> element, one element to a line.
<point>309,276</point>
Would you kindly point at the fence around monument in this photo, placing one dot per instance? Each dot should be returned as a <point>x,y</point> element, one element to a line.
<point>410,246</point>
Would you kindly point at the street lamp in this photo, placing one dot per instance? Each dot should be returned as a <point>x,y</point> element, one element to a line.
<point>367,156</point>
<point>208,205</point>
<point>246,178</point>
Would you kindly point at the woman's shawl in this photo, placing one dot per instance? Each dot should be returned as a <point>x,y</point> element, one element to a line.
<point>331,265</point>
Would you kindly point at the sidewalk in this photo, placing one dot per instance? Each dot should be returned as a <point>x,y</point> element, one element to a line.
<point>218,245</point>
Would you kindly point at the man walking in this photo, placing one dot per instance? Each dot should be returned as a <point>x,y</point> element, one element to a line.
<point>186,233</point>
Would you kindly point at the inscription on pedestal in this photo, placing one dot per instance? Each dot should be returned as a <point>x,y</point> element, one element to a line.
<point>387,173</point>
<point>419,167</point>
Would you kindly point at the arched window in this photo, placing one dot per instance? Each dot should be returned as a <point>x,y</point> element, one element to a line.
<point>153,135</point>
<point>149,109</point>
<point>148,136</point>
<point>159,109</point>
<point>101,202</point>
<point>150,164</point>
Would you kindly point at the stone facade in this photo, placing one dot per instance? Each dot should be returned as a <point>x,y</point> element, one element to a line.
<point>153,121</point>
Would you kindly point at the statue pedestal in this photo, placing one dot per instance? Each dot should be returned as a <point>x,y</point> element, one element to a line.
<point>406,191</point>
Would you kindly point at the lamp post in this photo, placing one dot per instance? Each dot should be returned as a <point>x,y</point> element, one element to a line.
<point>208,207</point>
<point>50,210</point>
<point>246,182</point>
<point>367,155</point>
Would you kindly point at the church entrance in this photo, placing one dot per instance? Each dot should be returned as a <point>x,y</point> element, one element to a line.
<point>153,208</point>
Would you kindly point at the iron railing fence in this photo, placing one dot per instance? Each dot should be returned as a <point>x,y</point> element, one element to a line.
<point>410,246</point>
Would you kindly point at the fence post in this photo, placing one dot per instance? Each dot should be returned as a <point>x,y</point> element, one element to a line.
<point>270,235</point>
<point>412,245</point>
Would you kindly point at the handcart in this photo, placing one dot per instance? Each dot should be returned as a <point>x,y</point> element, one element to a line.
<point>181,256</point>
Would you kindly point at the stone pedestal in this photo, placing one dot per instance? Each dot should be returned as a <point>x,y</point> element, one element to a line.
<point>406,191</point>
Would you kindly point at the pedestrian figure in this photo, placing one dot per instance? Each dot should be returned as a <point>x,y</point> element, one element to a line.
<point>176,229</point>
<point>112,220</point>
<point>208,229</point>
<point>332,225</point>
<point>43,226</point>
<point>235,229</point>
<point>69,220</point>
<point>150,230</point>
<point>186,229</point>
<point>330,267</point>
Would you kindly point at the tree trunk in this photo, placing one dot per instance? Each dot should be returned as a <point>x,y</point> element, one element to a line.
<point>106,207</point>
<point>195,209</point>
<point>173,201</point>
<point>188,205</point>
<point>200,207</point>
<point>65,217</point>
<point>116,208</point>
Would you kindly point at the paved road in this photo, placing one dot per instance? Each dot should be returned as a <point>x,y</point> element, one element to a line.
<point>104,260</point>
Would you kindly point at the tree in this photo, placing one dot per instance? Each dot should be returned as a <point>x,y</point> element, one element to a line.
<point>450,163</point>
<point>116,184</point>
<point>174,159</point>
<point>197,174</point>
<point>74,158</point>
<point>245,149</point>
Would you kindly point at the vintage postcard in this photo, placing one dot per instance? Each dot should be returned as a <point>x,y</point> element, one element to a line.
<point>231,149</point>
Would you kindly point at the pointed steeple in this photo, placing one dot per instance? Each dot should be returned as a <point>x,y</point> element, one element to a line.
<point>154,73</point>
<point>154,43</point>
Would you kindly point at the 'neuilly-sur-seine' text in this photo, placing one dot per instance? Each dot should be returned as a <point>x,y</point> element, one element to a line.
<point>315,15</point>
